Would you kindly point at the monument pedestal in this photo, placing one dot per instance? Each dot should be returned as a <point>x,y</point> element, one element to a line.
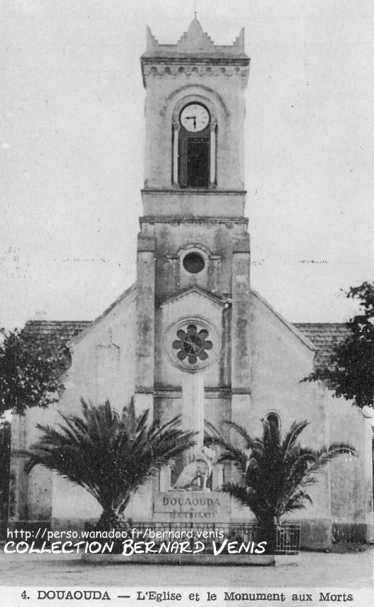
<point>192,507</point>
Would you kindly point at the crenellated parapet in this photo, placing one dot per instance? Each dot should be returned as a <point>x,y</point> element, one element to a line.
<point>195,53</point>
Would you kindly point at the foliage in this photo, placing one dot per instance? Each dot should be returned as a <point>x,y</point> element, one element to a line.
<point>108,454</point>
<point>31,366</point>
<point>4,466</point>
<point>275,471</point>
<point>350,372</point>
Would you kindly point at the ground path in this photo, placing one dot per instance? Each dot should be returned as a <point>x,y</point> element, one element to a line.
<point>314,569</point>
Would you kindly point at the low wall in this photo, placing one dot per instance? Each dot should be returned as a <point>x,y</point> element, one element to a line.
<point>316,534</point>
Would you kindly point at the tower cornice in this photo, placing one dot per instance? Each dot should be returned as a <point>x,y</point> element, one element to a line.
<point>193,219</point>
<point>197,65</point>
<point>196,59</point>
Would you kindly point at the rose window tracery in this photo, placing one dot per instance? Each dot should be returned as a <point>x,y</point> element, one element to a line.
<point>192,344</point>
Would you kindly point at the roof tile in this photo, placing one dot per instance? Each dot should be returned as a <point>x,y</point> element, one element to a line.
<point>323,335</point>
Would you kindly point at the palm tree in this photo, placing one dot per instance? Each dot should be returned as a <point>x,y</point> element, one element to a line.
<point>108,454</point>
<point>275,471</point>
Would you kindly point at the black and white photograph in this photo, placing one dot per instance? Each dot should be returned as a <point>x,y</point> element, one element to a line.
<point>187,302</point>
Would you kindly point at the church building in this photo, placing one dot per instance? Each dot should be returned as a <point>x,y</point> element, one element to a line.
<point>191,336</point>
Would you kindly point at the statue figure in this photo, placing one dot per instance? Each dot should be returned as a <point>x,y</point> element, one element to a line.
<point>197,474</point>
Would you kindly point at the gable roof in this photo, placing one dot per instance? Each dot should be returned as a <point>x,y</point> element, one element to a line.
<point>291,327</point>
<point>129,291</point>
<point>324,336</point>
<point>65,329</point>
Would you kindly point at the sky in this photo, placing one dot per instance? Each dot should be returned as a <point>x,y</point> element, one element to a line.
<point>71,147</point>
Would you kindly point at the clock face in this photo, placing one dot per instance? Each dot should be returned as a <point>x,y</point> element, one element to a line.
<point>194,117</point>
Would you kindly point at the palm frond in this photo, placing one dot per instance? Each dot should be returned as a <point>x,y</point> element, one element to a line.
<point>243,433</point>
<point>292,435</point>
<point>276,471</point>
<point>108,454</point>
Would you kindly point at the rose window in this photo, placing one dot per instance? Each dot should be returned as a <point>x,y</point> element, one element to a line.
<point>192,344</point>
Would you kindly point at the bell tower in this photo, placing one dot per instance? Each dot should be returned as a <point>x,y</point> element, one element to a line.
<point>193,261</point>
